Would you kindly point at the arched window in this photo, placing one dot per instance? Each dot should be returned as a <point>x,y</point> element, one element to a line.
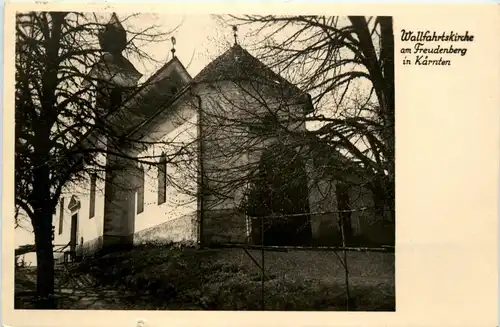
<point>61,215</point>
<point>115,97</point>
<point>93,186</point>
<point>140,189</point>
<point>162,179</point>
<point>280,189</point>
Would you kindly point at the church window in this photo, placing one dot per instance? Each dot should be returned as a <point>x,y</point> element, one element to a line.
<point>140,191</point>
<point>115,97</point>
<point>93,182</point>
<point>266,123</point>
<point>61,215</point>
<point>162,180</point>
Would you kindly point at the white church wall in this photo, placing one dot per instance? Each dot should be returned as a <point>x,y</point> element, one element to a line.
<point>229,140</point>
<point>174,220</point>
<point>224,159</point>
<point>232,151</point>
<point>226,148</point>
<point>90,229</point>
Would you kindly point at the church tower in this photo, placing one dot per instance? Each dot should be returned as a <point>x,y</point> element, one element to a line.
<point>116,76</point>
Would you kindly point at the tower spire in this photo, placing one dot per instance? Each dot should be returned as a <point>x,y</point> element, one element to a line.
<point>113,38</point>
<point>235,30</point>
<point>173,47</point>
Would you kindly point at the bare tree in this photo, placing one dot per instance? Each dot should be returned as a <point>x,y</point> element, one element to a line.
<point>333,58</point>
<point>347,65</point>
<point>69,115</point>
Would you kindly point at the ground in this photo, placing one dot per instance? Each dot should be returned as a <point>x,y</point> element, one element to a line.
<point>160,277</point>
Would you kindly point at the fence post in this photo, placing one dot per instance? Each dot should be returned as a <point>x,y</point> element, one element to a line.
<point>346,269</point>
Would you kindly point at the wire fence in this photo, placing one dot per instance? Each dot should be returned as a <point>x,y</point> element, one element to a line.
<point>341,252</point>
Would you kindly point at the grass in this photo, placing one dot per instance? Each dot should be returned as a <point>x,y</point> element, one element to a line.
<point>167,277</point>
<point>161,277</point>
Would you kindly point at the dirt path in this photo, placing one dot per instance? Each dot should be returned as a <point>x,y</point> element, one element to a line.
<point>72,291</point>
<point>79,292</point>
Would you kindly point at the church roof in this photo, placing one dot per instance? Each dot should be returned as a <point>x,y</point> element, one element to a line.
<point>171,62</point>
<point>158,90</point>
<point>162,86</point>
<point>142,104</point>
<point>238,64</point>
<point>155,81</point>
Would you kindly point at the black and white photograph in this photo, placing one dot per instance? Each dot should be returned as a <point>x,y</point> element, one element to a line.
<point>204,161</point>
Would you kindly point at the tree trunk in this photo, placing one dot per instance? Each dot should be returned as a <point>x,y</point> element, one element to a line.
<point>45,260</point>
<point>42,227</point>
<point>387,57</point>
<point>391,207</point>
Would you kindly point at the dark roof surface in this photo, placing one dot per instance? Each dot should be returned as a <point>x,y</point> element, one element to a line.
<point>119,62</point>
<point>233,65</point>
<point>155,94</point>
<point>238,64</point>
<point>154,82</point>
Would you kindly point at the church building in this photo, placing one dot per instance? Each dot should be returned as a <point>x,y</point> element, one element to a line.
<point>218,158</point>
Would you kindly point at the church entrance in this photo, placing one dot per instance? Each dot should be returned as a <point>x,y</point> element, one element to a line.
<point>74,233</point>
<point>74,206</point>
<point>278,201</point>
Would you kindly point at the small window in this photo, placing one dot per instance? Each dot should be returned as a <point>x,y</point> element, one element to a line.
<point>140,190</point>
<point>61,215</point>
<point>266,123</point>
<point>93,182</point>
<point>162,180</point>
<point>269,121</point>
<point>115,97</point>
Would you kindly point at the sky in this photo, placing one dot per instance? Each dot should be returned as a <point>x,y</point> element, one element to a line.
<point>199,40</point>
